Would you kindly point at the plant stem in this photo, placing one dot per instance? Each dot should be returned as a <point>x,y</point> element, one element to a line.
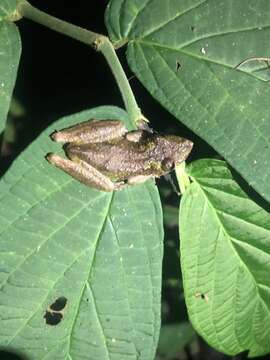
<point>98,42</point>
<point>182,177</point>
<point>30,12</point>
<point>107,49</point>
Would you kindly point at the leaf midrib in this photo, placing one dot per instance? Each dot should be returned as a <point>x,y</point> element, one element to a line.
<point>80,297</point>
<point>148,264</point>
<point>195,56</point>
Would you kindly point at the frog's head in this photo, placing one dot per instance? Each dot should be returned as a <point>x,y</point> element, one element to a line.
<point>175,150</point>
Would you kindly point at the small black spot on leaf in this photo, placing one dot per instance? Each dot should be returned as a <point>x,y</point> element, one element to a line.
<point>192,28</point>
<point>203,296</point>
<point>59,304</point>
<point>178,65</point>
<point>53,318</point>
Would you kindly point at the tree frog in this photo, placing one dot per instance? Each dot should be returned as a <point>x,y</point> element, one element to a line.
<point>103,154</point>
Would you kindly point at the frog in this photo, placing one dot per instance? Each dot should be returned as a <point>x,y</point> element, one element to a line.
<point>104,155</point>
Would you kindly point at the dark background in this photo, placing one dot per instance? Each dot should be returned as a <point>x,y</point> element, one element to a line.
<point>59,76</point>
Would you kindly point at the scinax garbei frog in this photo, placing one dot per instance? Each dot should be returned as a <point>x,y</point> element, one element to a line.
<point>104,155</point>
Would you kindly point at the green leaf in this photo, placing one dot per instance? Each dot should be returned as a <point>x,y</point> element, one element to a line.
<point>101,253</point>
<point>174,337</point>
<point>10,51</point>
<point>185,53</point>
<point>7,7</point>
<point>225,259</point>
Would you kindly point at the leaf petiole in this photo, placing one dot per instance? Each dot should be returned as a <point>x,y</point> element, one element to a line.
<point>97,41</point>
<point>182,177</point>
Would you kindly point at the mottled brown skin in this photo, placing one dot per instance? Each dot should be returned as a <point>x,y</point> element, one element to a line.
<point>105,156</point>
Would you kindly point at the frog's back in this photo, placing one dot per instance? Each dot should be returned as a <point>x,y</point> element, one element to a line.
<point>119,159</point>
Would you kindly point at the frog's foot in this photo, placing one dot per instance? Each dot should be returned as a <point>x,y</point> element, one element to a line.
<point>139,136</point>
<point>135,136</point>
<point>119,185</point>
<point>92,131</point>
<point>143,125</point>
<point>85,173</point>
<point>139,179</point>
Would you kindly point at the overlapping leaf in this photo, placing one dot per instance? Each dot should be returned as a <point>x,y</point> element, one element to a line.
<point>10,50</point>
<point>225,259</point>
<point>185,53</point>
<point>101,252</point>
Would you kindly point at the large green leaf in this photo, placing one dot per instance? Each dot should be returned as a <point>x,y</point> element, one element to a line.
<point>100,251</point>
<point>225,259</point>
<point>185,53</point>
<point>10,51</point>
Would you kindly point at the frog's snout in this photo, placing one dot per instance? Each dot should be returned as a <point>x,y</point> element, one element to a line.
<point>186,148</point>
<point>189,145</point>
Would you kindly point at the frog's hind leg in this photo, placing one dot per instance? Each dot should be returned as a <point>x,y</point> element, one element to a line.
<point>85,173</point>
<point>92,131</point>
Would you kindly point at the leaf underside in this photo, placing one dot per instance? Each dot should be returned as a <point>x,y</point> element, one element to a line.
<point>100,252</point>
<point>225,261</point>
<point>185,53</point>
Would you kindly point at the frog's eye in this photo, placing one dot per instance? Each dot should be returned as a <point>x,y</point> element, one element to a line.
<point>167,164</point>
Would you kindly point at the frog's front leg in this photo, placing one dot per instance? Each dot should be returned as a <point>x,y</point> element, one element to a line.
<point>92,131</point>
<point>85,173</point>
